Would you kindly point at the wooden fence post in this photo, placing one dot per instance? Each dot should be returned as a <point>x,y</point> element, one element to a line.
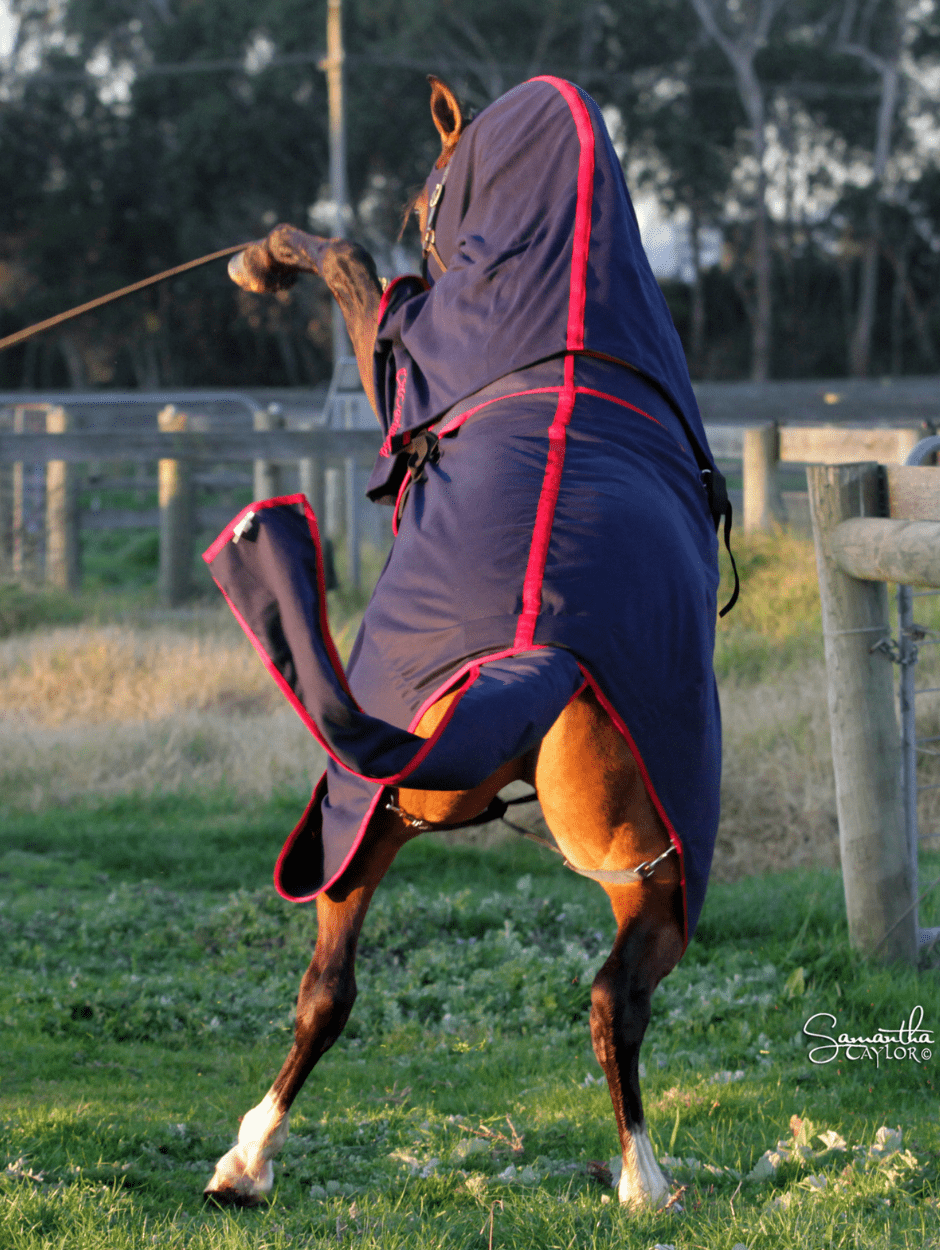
<point>907,441</point>
<point>312,484</point>
<point>866,748</point>
<point>333,501</point>
<point>63,549</point>
<point>267,475</point>
<point>28,490</point>
<point>6,520</point>
<point>763,504</point>
<point>176,517</point>
<point>353,527</point>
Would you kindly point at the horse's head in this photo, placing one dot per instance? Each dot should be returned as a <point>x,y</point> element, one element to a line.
<point>449,121</point>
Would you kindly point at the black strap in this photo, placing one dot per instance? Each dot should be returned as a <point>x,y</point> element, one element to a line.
<point>495,811</point>
<point>424,448</point>
<point>428,242</point>
<point>716,488</point>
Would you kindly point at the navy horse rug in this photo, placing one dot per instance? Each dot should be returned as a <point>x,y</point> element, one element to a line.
<point>555,506</point>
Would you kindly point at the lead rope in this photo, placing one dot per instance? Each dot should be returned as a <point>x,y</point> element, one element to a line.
<point>21,336</point>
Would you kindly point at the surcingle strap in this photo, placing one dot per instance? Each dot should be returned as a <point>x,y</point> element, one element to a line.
<point>719,505</point>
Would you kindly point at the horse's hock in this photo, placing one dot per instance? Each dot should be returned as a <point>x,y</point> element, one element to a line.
<point>872,524</point>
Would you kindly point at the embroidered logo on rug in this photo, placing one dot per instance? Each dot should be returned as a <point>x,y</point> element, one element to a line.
<point>401,381</point>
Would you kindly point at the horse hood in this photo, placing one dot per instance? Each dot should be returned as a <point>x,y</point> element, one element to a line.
<point>534,184</point>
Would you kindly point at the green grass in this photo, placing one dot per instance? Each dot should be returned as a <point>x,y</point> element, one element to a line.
<point>23,608</point>
<point>150,972</point>
<point>146,1003</point>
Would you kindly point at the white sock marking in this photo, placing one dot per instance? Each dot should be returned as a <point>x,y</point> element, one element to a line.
<point>247,1167</point>
<point>641,1181</point>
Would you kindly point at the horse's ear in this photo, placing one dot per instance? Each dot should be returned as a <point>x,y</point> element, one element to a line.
<point>448,117</point>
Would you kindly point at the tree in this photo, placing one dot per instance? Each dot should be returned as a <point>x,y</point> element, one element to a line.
<point>741,29</point>
<point>874,33</point>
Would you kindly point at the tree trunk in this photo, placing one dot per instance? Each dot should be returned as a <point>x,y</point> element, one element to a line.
<point>74,363</point>
<point>741,53</point>
<point>697,335</point>
<point>888,69</point>
<point>897,309</point>
<point>860,347</point>
<point>760,331</point>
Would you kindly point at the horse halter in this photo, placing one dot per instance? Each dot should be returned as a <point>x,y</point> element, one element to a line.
<point>428,244</point>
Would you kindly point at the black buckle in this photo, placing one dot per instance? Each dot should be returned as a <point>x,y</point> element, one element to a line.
<point>423,449</point>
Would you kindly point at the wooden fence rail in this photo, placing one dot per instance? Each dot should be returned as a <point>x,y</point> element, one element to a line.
<point>202,446</point>
<point>178,451</point>
<point>871,524</point>
<point>762,449</point>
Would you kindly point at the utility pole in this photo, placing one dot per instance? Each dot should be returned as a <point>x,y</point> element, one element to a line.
<point>333,66</point>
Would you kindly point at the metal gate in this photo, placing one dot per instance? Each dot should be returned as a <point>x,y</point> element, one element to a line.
<point>911,637</point>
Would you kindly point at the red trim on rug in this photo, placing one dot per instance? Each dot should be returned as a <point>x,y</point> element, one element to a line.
<point>405,483</point>
<point>457,421</point>
<point>328,642</point>
<point>648,784</point>
<point>216,546</point>
<point>584,203</point>
<point>439,693</point>
<point>587,390</point>
<point>387,293</point>
<point>471,668</point>
<point>545,512</point>
<point>226,536</point>
<point>305,716</point>
<point>288,846</point>
<point>401,382</point>
<point>551,482</point>
<point>462,672</point>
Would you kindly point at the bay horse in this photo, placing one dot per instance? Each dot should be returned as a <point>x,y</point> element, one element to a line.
<point>618,811</point>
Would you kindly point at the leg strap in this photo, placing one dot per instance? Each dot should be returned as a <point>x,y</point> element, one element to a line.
<point>497,811</point>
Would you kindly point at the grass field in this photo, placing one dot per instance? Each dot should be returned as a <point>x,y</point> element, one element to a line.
<point>148,778</point>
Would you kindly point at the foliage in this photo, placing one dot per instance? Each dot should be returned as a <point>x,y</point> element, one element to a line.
<point>203,124</point>
<point>24,608</point>
<point>776,623</point>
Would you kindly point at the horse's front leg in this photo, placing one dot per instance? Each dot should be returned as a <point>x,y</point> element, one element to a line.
<point>244,1176</point>
<point>648,945</point>
<point>347,269</point>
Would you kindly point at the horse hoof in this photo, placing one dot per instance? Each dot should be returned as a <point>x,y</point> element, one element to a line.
<point>230,1197</point>
<point>255,269</point>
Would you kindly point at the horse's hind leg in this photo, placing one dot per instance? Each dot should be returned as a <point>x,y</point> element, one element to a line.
<point>327,992</point>
<point>604,819</point>
<point>647,946</point>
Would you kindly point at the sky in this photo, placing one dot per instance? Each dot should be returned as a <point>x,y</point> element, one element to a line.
<point>6,28</point>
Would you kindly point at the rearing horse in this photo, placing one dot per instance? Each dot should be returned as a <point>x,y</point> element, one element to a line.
<point>547,610</point>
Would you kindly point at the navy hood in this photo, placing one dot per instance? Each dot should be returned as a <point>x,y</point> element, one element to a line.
<point>543,256</point>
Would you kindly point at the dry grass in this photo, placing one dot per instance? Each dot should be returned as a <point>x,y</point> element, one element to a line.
<point>778,803</point>
<point>96,711</point>
<point>93,711</point>
<point>120,675</point>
